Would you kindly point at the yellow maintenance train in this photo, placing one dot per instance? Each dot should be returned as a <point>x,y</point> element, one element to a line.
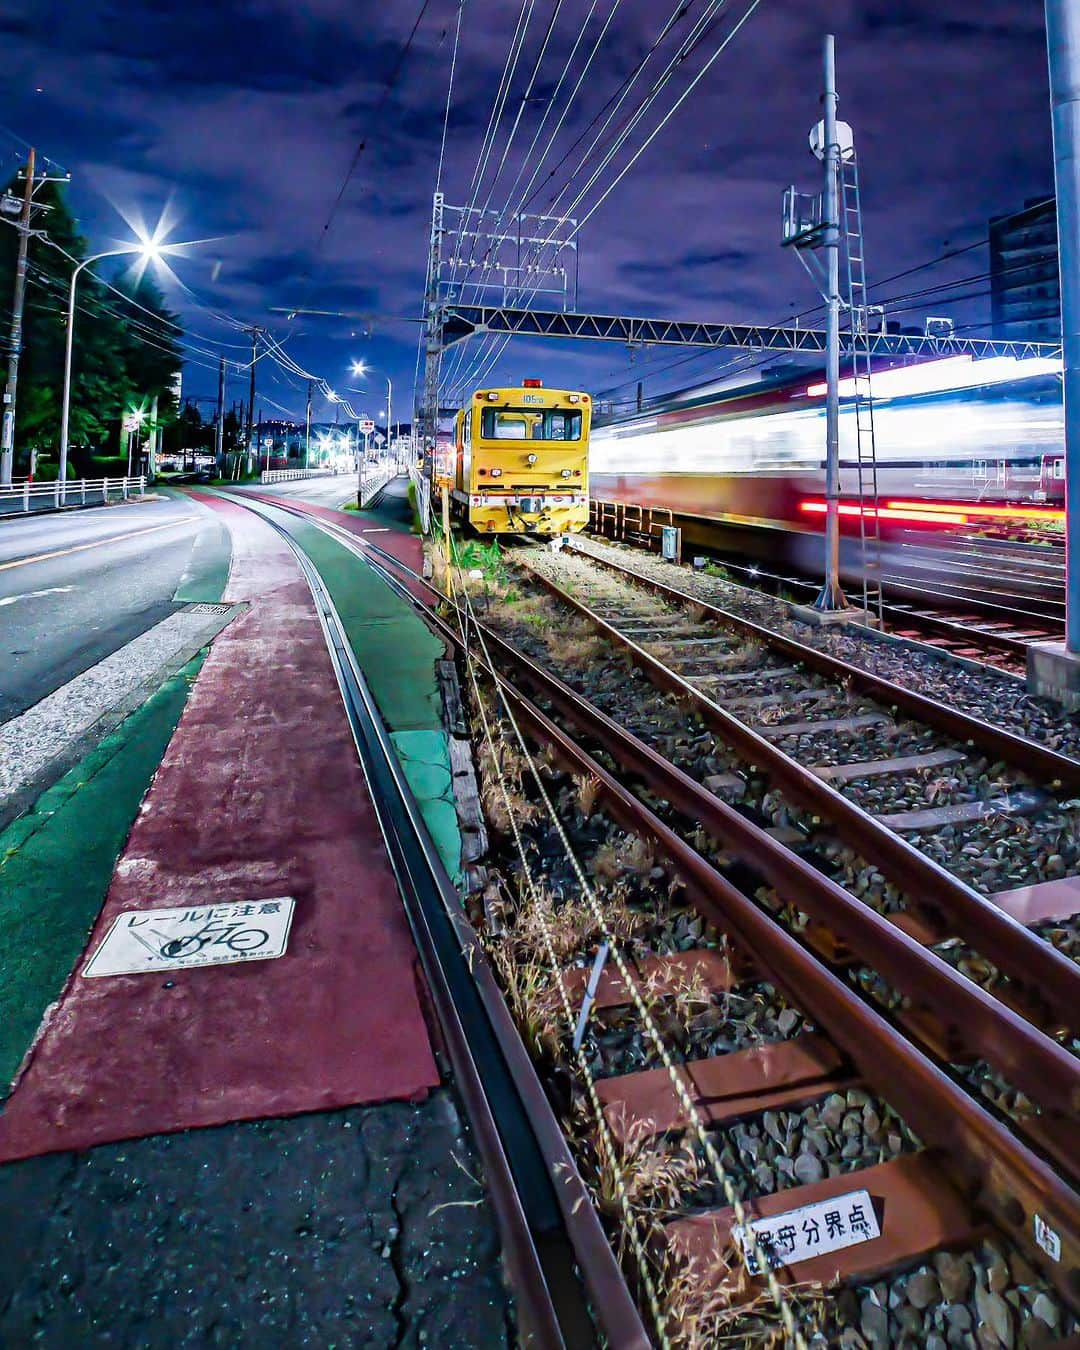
<point>521,461</point>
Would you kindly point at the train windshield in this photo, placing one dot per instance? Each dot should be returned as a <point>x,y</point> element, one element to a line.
<point>530,424</point>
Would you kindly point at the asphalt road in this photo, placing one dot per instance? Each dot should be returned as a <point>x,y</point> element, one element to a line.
<point>393,508</point>
<point>76,587</point>
<point>333,491</point>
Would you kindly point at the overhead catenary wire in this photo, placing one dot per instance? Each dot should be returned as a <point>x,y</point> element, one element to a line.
<point>893,302</point>
<point>686,47</point>
<point>452,380</point>
<point>487,347</point>
<point>490,350</point>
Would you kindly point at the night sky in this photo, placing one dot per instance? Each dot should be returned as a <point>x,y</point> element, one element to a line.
<point>240,121</point>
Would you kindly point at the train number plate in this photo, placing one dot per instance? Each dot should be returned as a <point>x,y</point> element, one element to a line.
<point>148,940</point>
<point>813,1230</point>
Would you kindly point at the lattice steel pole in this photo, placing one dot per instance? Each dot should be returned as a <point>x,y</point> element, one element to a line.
<point>433,341</point>
<point>831,596</point>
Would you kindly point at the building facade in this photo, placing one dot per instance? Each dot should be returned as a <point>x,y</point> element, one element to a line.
<point>1025,293</point>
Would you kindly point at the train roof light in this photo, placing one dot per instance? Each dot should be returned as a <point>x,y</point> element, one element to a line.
<point>532,384</point>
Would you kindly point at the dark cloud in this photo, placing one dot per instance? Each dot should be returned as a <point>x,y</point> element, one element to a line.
<point>244,116</point>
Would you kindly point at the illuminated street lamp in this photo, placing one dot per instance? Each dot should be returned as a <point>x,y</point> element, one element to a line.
<point>151,251</point>
<point>362,368</point>
<point>133,420</point>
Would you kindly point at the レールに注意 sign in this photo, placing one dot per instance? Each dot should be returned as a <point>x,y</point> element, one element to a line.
<point>194,935</point>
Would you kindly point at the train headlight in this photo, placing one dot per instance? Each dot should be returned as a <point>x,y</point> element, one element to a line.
<point>493,397</point>
<point>565,473</point>
<point>531,459</point>
<point>495,473</point>
<point>573,398</point>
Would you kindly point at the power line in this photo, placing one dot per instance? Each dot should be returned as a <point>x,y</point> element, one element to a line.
<point>362,146</point>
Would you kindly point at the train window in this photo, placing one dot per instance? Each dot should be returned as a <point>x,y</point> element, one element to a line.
<point>497,425</point>
<point>520,424</point>
<point>1059,468</point>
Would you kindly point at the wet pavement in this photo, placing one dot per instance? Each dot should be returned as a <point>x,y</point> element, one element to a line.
<point>359,1227</point>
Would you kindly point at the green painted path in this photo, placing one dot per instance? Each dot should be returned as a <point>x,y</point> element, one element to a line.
<point>57,861</point>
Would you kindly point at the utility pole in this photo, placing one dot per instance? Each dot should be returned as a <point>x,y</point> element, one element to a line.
<point>1054,668</point>
<point>831,597</point>
<point>155,433</point>
<point>7,437</point>
<point>251,398</point>
<point>219,454</point>
<point>307,431</point>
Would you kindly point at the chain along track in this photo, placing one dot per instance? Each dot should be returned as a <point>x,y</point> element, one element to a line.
<point>548,1230</point>
<point>883,763</point>
<point>800,1074</point>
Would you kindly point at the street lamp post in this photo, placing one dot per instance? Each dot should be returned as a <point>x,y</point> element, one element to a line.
<point>149,250</point>
<point>362,368</point>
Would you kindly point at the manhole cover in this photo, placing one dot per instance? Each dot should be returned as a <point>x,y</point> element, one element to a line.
<point>203,607</point>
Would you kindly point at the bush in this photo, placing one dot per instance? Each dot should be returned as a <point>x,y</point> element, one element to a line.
<point>108,466</point>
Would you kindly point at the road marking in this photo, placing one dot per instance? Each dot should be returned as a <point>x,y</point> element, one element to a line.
<point>29,595</point>
<point>96,543</point>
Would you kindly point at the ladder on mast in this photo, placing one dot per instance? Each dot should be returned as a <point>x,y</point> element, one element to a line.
<point>861,338</point>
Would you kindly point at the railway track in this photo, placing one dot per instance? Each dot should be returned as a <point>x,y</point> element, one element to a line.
<point>997,633</point>
<point>766,1052</point>
<point>984,598</point>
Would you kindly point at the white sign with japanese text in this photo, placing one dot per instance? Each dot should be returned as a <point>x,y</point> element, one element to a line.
<point>142,941</point>
<point>813,1230</point>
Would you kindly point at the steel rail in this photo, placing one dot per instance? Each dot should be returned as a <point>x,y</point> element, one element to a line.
<point>1047,981</point>
<point>1055,769</point>
<point>532,1175</point>
<point>1002,1175</point>
<point>971,1018</point>
<point>899,617</point>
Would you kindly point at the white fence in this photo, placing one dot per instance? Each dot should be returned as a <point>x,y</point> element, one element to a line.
<point>423,497</point>
<point>290,475</point>
<point>24,497</point>
<point>374,480</point>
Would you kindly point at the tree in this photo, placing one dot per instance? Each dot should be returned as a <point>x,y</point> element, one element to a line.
<point>189,431</point>
<point>126,346</point>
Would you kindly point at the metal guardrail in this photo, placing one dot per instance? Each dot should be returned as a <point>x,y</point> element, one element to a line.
<point>423,497</point>
<point>375,480</point>
<point>289,475</point>
<point>22,498</point>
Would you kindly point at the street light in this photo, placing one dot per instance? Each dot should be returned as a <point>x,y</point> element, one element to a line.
<point>362,368</point>
<point>135,420</point>
<point>151,251</point>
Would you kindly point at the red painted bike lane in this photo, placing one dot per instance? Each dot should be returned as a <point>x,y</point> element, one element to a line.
<point>259,795</point>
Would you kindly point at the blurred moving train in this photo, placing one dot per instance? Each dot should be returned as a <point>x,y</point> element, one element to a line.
<point>520,460</point>
<point>955,440</point>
